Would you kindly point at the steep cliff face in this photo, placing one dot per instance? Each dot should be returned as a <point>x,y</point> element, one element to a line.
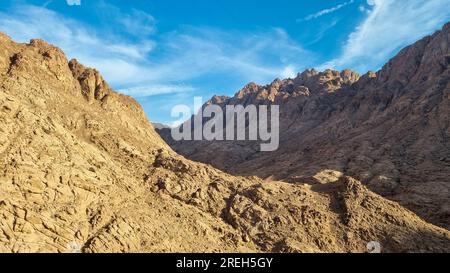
<point>82,169</point>
<point>390,129</point>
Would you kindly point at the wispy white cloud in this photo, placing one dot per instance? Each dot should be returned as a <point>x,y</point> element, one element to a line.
<point>190,53</point>
<point>27,22</point>
<point>363,8</point>
<point>289,72</point>
<point>73,2</point>
<point>325,11</point>
<point>255,56</point>
<point>156,89</point>
<point>389,26</point>
<point>135,22</point>
<point>138,22</point>
<point>322,31</point>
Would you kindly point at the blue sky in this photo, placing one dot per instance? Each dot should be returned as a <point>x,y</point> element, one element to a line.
<point>165,52</point>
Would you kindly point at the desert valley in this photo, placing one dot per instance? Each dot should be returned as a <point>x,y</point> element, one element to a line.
<point>361,159</point>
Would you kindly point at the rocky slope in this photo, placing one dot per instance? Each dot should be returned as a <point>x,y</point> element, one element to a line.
<point>389,129</point>
<point>82,169</point>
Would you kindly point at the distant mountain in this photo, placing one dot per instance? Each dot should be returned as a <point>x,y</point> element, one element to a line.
<point>160,126</point>
<point>389,129</point>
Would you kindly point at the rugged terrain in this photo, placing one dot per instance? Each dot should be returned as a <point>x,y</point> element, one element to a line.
<point>389,129</point>
<point>82,169</point>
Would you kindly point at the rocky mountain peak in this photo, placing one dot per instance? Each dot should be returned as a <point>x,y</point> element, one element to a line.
<point>308,73</point>
<point>218,100</point>
<point>326,81</point>
<point>418,62</point>
<point>93,86</point>
<point>306,83</point>
<point>349,76</point>
<point>248,89</point>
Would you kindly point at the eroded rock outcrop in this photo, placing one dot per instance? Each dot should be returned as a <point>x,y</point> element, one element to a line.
<point>92,83</point>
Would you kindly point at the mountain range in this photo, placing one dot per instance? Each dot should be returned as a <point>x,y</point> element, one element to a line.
<point>389,129</point>
<point>83,170</point>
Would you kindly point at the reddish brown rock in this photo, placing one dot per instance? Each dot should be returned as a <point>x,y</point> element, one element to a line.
<point>390,129</point>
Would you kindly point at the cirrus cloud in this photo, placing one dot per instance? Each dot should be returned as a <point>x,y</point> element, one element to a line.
<point>389,26</point>
<point>326,11</point>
